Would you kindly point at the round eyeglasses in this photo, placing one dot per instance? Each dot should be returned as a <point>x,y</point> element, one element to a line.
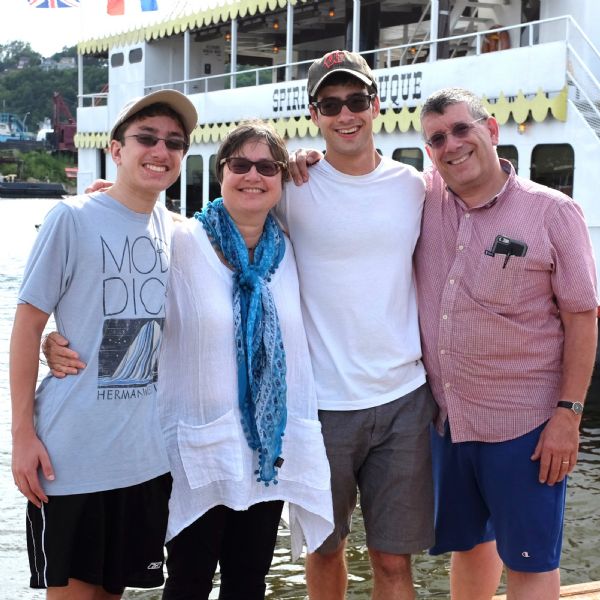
<point>459,130</point>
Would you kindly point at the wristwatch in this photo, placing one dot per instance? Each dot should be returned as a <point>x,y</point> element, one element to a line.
<point>576,407</point>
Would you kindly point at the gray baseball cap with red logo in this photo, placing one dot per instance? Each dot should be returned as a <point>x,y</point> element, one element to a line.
<point>334,62</point>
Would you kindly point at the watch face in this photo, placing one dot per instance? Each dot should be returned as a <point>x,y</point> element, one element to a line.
<point>577,408</point>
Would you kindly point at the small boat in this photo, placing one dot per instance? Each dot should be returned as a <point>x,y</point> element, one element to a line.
<point>25,189</point>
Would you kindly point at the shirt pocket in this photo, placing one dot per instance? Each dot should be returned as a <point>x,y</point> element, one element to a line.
<point>211,452</point>
<point>303,452</point>
<point>498,282</point>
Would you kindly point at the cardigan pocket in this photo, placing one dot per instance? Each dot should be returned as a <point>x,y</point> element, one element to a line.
<point>210,452</point>
<point>303,453</point>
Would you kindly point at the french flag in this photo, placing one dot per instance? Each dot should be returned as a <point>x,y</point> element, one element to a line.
<point>117,7</point>
<point>54,3</point>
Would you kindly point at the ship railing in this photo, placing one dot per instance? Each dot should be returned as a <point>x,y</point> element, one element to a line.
<point>99,99</point>
<point>584,90</point>
<point>527,34</point>
<point>523,34</point>
<point>582,74</point>
<point>409,55</point>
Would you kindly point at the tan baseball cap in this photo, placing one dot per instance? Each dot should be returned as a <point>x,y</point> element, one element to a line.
<point>334,62</point>
<point>176,100</point>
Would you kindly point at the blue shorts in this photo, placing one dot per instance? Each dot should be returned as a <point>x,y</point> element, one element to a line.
<point>486,491</point>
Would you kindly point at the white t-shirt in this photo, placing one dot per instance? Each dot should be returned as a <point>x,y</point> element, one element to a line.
<point>353,238</point>
<point>211,461</point>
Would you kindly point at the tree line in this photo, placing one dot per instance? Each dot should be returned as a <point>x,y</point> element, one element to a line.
<point>27,89</point>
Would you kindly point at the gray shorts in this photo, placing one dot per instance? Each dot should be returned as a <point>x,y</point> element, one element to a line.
<point>383,451</point>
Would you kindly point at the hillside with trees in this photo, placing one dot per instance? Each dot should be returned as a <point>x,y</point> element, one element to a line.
<point>26,88</point>
<point>27,85</point>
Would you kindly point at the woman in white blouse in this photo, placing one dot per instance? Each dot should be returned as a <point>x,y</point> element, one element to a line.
<point>237,396</point>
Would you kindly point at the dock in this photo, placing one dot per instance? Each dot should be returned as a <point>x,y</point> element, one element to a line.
<point>23,189</point>
<point>579,591</point>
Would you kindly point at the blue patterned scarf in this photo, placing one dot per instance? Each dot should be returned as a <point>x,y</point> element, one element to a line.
<point>261,363</point>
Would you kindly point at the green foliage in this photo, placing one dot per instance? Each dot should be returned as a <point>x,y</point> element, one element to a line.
<point>11,53</point>
<point>43,166</point>
<point>29,90</point>
<point>37,165</point>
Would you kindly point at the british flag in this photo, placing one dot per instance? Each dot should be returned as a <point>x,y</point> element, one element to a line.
<point>54,3</point>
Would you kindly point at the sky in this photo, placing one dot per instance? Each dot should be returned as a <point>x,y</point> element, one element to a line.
<point>49,30</point>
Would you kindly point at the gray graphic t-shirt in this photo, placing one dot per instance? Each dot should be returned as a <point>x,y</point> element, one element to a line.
<point>102,270</point>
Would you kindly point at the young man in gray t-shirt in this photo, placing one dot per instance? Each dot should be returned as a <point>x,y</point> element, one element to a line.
<point>88,451</point>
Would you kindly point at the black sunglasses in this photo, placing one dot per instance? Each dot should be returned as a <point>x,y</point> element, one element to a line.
<point>241,166</point>
<point>330,107</point>
<point>150,140</point>
<point>459,130</point>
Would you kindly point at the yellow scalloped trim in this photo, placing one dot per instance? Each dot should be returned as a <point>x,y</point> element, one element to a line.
<point>519,108</point>
<point>198,19</point>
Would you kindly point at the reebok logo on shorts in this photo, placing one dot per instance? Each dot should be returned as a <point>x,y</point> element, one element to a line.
<point>154,565</point>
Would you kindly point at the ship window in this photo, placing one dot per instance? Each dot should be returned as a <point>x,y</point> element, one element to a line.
<point>117,59</point>
<point>409,156</point>
<point>135,55</point>
<point>193,190</point>
<point>196,172</point>
<point>214,187</point>
<point>553,165</point>
<point>510,153</point>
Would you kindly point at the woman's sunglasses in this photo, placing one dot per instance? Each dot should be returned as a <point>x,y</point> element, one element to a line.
<point>241,166</point>
<point>149,140</point>
<point>330,107</point>
<point>459,130</point>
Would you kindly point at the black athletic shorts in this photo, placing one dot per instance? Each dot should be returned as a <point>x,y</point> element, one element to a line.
<point>113,538</point>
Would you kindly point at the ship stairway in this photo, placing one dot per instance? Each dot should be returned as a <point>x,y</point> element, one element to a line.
<point>582,76</point>
<point>457,21</point>
<point>470,16</point>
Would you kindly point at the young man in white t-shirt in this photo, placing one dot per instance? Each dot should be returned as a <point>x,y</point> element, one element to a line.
<point>354,225</point>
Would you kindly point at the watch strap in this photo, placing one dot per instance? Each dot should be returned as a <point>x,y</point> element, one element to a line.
<point>576,407</point>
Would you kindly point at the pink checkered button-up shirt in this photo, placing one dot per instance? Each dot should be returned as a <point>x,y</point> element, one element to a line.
<point>491,331</point>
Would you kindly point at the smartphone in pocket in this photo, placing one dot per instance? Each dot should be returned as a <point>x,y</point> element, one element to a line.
<point>508,246</point>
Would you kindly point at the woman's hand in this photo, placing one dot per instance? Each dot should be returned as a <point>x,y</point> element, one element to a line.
<point>61,359</point>
<point>299,162</point>
<point>98,185</point>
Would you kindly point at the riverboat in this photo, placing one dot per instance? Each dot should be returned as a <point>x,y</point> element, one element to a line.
<point>534,63</point>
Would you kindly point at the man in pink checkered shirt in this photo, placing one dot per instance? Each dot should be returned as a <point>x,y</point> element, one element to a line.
<point>507,301</point>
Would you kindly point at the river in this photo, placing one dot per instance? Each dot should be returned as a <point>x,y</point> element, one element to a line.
<point>581,557</point>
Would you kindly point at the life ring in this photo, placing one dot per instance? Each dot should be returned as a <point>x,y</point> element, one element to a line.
<point>495,40</point>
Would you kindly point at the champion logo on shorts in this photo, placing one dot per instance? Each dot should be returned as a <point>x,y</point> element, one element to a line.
<point>525,554</point>
<point>154,565</point>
